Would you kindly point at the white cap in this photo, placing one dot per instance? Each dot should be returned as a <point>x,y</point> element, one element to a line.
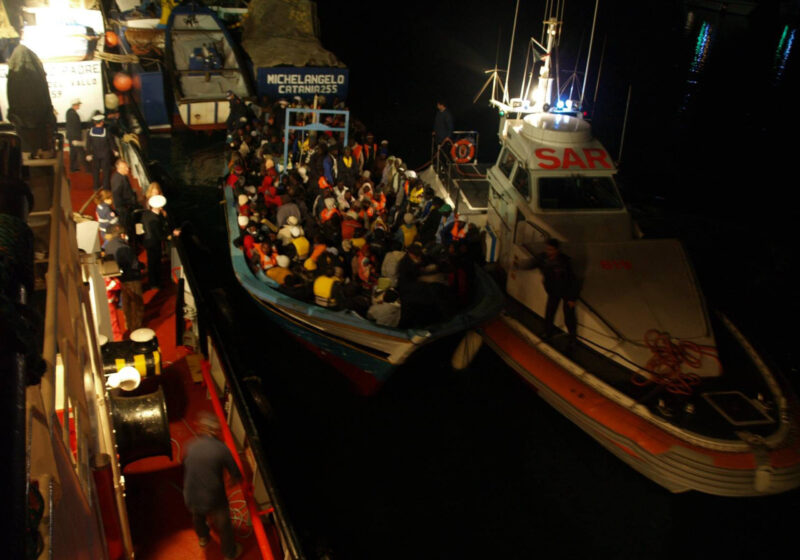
<point>283,261</point>
<point>75,101</point>
<point>411,174</point>
<point>98,117</point>
<point>157,201</point>
<point>295,231</point>
<point>143,335</point>
<point>243,221</point>
<point>292,220</point>
<point>243,199</point>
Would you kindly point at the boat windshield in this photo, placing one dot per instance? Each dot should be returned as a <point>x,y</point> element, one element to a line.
<point>578,192</point>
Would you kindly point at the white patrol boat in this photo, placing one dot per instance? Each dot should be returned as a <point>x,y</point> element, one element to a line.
<point>672,389</point>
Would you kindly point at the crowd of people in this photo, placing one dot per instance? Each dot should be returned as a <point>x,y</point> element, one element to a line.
<point>347,225</point>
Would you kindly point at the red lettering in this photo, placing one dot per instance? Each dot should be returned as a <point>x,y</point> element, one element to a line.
<point>596,155</point>
<point>547,154</point>
<point>572,158</point>
<point>606,265</point>
<point>616,265</point>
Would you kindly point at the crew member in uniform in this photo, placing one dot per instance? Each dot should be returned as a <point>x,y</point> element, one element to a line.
<point>74,130</point>
<point>560,283</point>
<point>102,151</point>
<point>155,234</point>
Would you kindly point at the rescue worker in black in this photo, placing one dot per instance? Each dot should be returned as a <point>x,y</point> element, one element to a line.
<point>74,130</point>
<point>560,284</point>
<point>155,234</point>
<point>101,152</point>
<point>237,111</point>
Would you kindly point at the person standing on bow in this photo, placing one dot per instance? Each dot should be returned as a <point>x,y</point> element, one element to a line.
<point>74,132</point>
<point>101,151</point>
<point>204,466</point>
<point>560,283</point>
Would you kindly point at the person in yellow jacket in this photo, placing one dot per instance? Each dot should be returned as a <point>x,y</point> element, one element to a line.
<point>327,290</point>
<point>407,233</point>
<point>302,247</point>
<point>281,272</point>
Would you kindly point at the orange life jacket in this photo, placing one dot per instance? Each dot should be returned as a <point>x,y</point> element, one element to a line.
<point>327,214</point>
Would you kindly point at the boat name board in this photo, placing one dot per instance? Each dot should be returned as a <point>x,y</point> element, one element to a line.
<point>306,82</point>
<point>567,158</point>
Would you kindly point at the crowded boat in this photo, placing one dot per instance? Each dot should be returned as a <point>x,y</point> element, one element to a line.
<point>332,217</point>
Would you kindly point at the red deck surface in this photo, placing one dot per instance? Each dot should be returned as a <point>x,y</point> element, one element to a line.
<point>160,524</point>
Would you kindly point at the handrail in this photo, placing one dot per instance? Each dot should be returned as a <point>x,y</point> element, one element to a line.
<point>261,535</point>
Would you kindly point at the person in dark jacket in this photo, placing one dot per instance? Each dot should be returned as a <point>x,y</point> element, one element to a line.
<point>132,302</point>
<point>155,234</point>
<point>125,201</point>
<point>101,152</point>
<point>442,123</point>
<point>74,131</point>
<point>560,284</point>
<point>204,466</point>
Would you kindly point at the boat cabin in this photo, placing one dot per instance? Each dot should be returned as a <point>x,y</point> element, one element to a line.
<point>553,179</point>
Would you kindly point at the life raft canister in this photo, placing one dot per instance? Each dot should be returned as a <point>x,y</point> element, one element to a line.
<point>462,151</point>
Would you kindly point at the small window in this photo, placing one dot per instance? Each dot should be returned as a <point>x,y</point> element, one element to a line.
<point>506,161</point>
<point>521,182</point>
<point>578,193</point>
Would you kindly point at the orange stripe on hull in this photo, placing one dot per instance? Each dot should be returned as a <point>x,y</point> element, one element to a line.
<point>610,414</point>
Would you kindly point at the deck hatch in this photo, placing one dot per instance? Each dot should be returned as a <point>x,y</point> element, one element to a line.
<point>737,408</point>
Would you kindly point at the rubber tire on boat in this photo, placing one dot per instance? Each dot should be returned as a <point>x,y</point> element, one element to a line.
<point>466,350</point>
<point>462,151</point>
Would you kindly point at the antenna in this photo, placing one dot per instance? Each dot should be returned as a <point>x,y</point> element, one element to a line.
<point>494,79</point>
<point>510,51</point>
<point>589,54</point>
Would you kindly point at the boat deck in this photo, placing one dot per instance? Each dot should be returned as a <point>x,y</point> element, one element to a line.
<point>468,187</point>
<point>161,526</point>
<point>701,410</point>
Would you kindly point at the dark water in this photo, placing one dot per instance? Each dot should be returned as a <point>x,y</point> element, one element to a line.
<point>474,464</point>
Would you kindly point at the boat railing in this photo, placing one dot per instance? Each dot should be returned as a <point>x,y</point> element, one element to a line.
<point>314,127</point>
<point>68,426</point>
<point>239,428</point>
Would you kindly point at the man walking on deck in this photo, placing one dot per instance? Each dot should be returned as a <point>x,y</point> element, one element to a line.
<point>560,283</point>
<point>204,484</point>
<point>442,123</point>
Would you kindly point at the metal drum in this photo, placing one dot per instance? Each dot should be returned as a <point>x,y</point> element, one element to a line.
<point>141,351</point>
<point>141,426</point>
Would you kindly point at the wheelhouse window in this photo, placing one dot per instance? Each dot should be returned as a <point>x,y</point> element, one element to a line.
<point>578,192</point>
<point>522,182</point>
<point>506,161</point>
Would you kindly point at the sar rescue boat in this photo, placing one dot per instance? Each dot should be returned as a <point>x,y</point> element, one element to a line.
<point>667,385</point>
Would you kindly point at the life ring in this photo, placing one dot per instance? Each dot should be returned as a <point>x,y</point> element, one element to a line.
<point>462,151</point>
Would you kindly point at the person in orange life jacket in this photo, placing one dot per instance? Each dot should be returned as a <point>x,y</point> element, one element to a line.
<point>345,201</point>
<point>265,254</point>
<point>348,167</point>
<point>455,231</point>
<point>320,247</point>
<point>247,238</point>
<point>101,151</point>
<point>104,211</point>
<point>365,153</point>
<point>560,283</point>
<point>329,211</point>
<point>407,232</point>
<point>366,272</point>
<point>350,224</point>
<point>280,272</point>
